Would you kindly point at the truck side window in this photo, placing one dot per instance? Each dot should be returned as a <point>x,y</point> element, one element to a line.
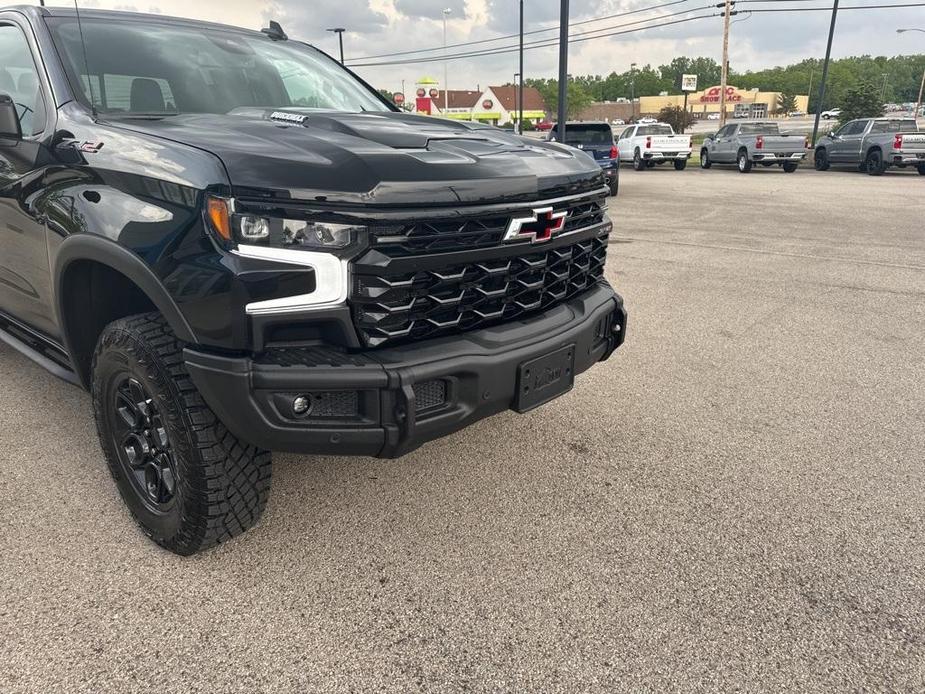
<point>20,80</point>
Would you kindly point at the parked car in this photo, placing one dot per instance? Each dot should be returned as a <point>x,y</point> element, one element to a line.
<point>262,253</point>
<point>712,116</point>
<point>796,114</point>
<point>831,114</point>
<point>873,145</point>
<point>544,125</point>
<point>618,121</point>
<point>596,139</point>
<point>649,145</point>
<point>745,144</point>
<point>647,120</point>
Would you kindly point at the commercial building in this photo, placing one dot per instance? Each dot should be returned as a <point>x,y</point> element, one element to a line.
<point>493,105</point>
<point>747,103</point>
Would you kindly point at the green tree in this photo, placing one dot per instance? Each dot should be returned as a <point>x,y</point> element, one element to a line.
<point>579,95</point>
<point>786,103</point>
<point>676,117</point>
<point>860,101</point>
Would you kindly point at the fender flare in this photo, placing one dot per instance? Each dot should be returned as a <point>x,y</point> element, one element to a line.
<point>106,252</point>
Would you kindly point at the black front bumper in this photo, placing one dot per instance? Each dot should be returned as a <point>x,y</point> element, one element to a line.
<point>387,402</point>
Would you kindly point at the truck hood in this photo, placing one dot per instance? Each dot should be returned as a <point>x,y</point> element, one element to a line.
<point>376,158</point>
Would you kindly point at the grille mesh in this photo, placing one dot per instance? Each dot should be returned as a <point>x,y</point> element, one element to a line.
<point>428,303</point>
<point>429,394</point>
<point>442,236</point>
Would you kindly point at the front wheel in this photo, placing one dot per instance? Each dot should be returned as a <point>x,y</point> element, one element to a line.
<point>680,164</point>
<point>186,479</point>
<point>876,166</point>
<point>639,163</point>
<point>745,164</point>
<point>790,166</point>
<point>614,187</point>
<point>821,160</point>
<point>921,168</point>
<point>705,162</point>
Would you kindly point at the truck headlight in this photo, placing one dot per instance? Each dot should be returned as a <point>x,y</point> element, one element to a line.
<point>279,232</point>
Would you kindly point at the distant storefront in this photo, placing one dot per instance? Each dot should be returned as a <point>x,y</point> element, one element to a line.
<point>751,103</point>
<point>493,105</point>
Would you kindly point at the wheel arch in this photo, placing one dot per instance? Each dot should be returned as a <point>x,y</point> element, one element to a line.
<point>83,266</point>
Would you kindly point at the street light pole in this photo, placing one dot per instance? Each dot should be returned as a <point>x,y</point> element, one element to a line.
<point>825,73</point>
<point>883,88</point>
<point>519,128</point>
<point>563,68</point>
<point>446,77</point>
<point>340,39</point>
<point>520,91</point>
<point>633,89</point>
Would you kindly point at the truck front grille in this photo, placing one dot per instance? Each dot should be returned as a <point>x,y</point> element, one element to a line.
<point>420,304</point>
<point>483,231</point>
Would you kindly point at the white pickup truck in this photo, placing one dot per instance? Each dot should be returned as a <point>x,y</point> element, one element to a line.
<point>648,145</point>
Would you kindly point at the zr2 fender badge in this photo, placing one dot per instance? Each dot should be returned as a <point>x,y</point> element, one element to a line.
<point>541,226</point>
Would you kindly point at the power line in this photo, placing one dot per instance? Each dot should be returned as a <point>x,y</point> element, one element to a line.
<point>545,43</point>
<point>585,36</point>
<point>527,33</point>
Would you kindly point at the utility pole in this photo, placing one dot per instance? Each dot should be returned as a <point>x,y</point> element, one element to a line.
<point>825,73</point>
<point>918,104</point>
<point>809,92</point>
<point>340,39</point>
<point>724,74</point>
<point>446,73</point>
<point>520,91</point>
<point>563,68</point>
<point>883,88</point>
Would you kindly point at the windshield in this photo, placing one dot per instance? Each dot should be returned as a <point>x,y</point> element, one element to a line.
<point>655,130</point>
<point>894,126</point>
<point>157,69</point>
<point>759,129</point>
<point>587,134</point>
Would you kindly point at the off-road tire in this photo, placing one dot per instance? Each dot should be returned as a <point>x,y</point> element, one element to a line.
<point>821,160</point>
<point>221,484</point>
<point>705,162</point>
<point>639,164</point>
<point>789,166</point>
<point>743,162</point>
<point>680,164</point>
<point>876,166</point>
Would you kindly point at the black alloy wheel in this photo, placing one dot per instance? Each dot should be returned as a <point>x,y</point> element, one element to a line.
<point>142,445</point>
<point>821,159</point>
<point>876,166</point>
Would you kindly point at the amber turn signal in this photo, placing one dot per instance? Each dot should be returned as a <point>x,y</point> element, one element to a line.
<point>219,216</point>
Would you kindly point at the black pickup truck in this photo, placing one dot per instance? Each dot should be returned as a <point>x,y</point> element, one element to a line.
<point>236,245</point>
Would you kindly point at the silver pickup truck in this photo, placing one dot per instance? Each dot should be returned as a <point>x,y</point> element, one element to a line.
<point>746,144</point>
<point>873,145</point>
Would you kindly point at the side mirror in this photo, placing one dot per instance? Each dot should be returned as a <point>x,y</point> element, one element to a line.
<point>9,119</point>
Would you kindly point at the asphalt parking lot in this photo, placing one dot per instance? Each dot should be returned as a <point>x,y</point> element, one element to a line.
<point>735,501</point>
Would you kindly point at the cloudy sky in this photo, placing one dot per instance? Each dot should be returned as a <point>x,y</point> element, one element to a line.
<point>377,27</point>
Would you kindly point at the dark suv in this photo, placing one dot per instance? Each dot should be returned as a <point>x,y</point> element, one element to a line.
<point>237,246</point>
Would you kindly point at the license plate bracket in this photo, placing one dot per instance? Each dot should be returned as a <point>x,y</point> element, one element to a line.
<point>545,378</point>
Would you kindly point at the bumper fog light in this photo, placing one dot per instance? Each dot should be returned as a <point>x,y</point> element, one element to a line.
<point>301,404</point>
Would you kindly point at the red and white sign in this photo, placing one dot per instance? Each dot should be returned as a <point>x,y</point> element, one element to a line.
<point>487,104</point>
<point>398,98</point>
<point>423,104</point>
<point>713,94</point>
<point>433,93</point>
<point>421,92</point>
